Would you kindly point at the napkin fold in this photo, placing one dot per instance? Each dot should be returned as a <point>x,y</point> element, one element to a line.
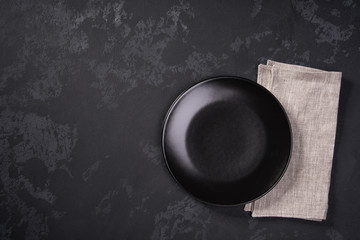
<point>310,98</point>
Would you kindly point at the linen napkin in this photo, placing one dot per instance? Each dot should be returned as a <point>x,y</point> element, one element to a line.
<point>310,98</point>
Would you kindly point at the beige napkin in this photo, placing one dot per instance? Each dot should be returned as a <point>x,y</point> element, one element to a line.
<point>310,98</point>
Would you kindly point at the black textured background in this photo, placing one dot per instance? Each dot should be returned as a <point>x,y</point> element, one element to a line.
<point>85,85</point>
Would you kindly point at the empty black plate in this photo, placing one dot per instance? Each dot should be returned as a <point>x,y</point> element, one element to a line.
<point>227,140</point>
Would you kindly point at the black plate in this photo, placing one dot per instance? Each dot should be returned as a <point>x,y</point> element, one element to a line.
<point>227,140</point>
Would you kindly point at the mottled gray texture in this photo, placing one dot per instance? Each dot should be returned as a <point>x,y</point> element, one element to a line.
<point>85,86</point>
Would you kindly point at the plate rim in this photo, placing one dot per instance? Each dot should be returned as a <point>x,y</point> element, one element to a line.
<point>183,94</point>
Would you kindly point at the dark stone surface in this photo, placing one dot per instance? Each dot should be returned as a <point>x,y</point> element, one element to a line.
<point>85,85</point>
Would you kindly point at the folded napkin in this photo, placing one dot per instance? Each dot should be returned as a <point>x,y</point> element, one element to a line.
<point>310,98</point>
